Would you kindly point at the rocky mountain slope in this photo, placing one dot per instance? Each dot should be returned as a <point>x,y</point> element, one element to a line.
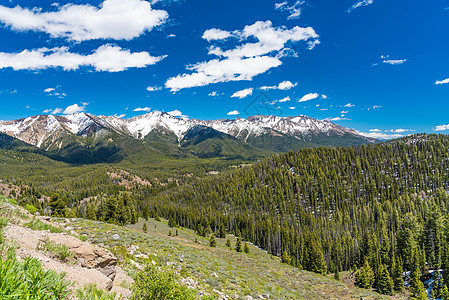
<point>45,130</point>
<point>109,257</point>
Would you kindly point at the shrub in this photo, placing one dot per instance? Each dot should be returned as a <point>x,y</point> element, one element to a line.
<point>160,283</point>
<point>28,280</point>
<point>91,291</point>
<point>61,252</point>
<point>36,224</point>
<point>31,209</point>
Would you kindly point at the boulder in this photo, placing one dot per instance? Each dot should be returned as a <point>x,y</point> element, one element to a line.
<point>88,255</point>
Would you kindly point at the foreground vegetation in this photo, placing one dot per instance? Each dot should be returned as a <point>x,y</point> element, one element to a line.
<point>374,211</point>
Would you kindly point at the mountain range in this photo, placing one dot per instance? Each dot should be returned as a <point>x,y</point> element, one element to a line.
<point>85,138</point>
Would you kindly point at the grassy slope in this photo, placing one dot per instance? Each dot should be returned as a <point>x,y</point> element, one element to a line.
<point>240,274</point>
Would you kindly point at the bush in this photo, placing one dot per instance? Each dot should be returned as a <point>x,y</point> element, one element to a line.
<point>160,283</point>
<point>61,252</point>
<point>37,224</point>
<point>91,291</point>
<point>31,209</point>
<point>28,280</point>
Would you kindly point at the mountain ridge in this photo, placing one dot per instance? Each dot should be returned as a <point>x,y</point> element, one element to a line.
<point>46,130</point>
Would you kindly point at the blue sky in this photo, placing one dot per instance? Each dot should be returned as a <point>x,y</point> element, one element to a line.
<point>377,66</point>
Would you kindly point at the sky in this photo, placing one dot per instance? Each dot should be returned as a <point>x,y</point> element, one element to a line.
<point>380,67</point>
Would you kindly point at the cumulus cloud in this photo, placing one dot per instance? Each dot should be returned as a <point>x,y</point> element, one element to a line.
<point>284,85</point>
<point>444,81</point>
<point>294,10</point>
<point>113,19</point>
<point>108,58</point>
<point>49,90</point>
<point>375,130</point>
<point>215,34</point>
<point>146,109</point>
<point>308,97</point>
<point>233,113</point>
<point>441,127</point>
<point>245,61</point>
<point>349,105</point>
<point>177,113</point>
<point>213,94</point>
<point>401,130</point>
<point>292,107</point>
<point>53,111</point>
<point>360,4</point>
<point>380,135</point>
<point>73,109</point>
<point>286,99</point>
<point>243,93</point>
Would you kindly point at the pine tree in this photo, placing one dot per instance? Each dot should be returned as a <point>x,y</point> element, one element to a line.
<point>337,275</point>
<point>396,273</point>
<point>246,248</point>
<point>212,241</point>
<point>222,232</point>
<point>285,257</point>
<point>144,227</point>
<point>228,243</point>
<point>238,245</point>
<point>445,293</point>
<point>417,289</point>
<point>385,284</point>
<point>364,277</point>
<point>169,233</point>
<point>57,205</point>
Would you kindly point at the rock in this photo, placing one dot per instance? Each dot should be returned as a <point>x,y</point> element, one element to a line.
<point>115,237</point>
<point>266,296</point>
<point>181,260</point>
<point>88,255</point>
<point>46,218</point>
<point>248,298</point>
<point>214,274</point>
<point>37,214</point>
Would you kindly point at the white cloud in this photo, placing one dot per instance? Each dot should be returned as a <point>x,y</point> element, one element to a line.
<point>377,106</point>
<point>308,97</point>
<point>394,61</point>
<point>293,10</point>
<point>244,61</point>
<point>120,116</point>
<point>214,94</point>
<point>380,135</point>
<point>114,19</point>
<point>233,113</point>
<point>75,108</point>
<point>177,113</point>
<point>153,88</point>
<point>375,130</point>
<point>444,81</point>
<point>49,90</point>
<point>337,119</point>
<point>441,127</point>
<point>216,34</point>
<point>344,112</point>
<point>401,130</point>
<point>286,99</point>
<point>360,4</point>
<point>292,107</point>
<point>349,105</point>
<point>324,97</point>
<point>109,58</point>
<point>284,85</point>
<point>243,93</point>
<point>147,109</point>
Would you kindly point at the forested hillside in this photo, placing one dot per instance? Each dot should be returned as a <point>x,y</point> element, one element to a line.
<point>381,207</point>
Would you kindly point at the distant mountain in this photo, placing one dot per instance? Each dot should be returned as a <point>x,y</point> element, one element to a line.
<point>85,137</point>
